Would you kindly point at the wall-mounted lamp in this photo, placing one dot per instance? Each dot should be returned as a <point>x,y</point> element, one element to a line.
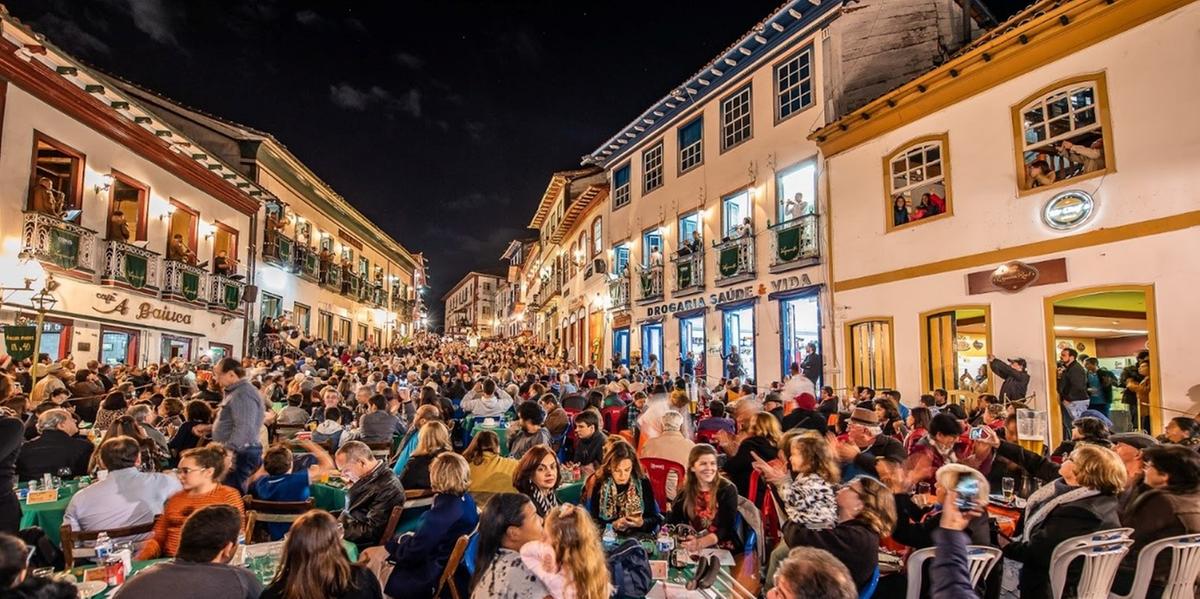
<point>209,230</point>
<point>105,183</point>
<point>170,211</point>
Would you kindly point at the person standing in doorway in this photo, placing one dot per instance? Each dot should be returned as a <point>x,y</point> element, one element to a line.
<point>239,421</point>
<point>1072,388</point>
<point>1100,386</point>
<point>812,364</point>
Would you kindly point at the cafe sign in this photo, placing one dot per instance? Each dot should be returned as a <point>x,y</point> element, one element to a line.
<point>142,311</point>
<point>1068,210</point>
<point>1014,276</point>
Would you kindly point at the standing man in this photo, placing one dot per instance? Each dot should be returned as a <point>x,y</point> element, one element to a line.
<point>1072,388</point>
<point>1099,386</point>
<point>239,421</point>
<point>812,365</point>
<point>1016,380</point>
<point>733,363</point>
<point>687,365</point>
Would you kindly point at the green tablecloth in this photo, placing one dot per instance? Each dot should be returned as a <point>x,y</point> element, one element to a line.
<point>570,492</point>
<point>331,498</point>
<point>501,432</point>
<point>49,516</point>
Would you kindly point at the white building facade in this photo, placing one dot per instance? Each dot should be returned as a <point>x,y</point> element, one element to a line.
<point>471,306</point>
<point>1035,193</point>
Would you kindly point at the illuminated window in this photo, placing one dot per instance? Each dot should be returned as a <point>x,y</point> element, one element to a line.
<point>1063,133</point>
<point>872,363</point>
<point>918,181</point>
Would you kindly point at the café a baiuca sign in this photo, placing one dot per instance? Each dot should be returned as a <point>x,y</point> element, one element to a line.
<point>1068,210</point>
<point>142,311</point>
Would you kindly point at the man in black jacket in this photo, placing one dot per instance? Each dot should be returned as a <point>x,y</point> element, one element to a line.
<point>1016,380</point>
<point>56,448</point>
<point>374,491</point>
<point>812,366</point>
<point>1072,388</point>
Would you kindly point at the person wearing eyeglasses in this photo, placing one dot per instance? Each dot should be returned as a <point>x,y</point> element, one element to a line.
<point>15,579</point>
<point>199,473</point>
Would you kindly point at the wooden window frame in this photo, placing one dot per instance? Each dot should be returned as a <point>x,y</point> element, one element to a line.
<point>889,361</point>
<point>812,79</point>
<point>77,173</point>
<point>1103,119</point>
<point>307,327</point>
<point>233,251</point>
<point>748,89</point>
<point>680,148</point>
<point>597,240</point>
<point>925,345</point>
<point>143,203</point>
<point>193,240</point>
<point>943,140</point>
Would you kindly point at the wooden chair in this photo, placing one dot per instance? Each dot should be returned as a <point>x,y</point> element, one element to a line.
<point>258,511</point>
<point>70,537</point>
<point>381,450</point>
<point>447,578</point>
<point>389,530</point>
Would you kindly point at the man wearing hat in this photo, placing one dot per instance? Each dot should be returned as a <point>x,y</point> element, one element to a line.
<point>1129,447</point>
<point>49,378</point>
<point>866,442</point>
<point>1016,380</point>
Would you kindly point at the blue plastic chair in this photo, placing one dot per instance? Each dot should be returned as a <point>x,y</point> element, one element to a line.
<point>870,590</point>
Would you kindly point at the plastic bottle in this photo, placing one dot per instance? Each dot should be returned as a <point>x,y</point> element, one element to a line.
<point>665,543</point>
<point>610,537</point>
<point>103,547</point>
<point>239,556</point>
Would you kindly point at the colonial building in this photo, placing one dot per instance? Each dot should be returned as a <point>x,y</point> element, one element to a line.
<point>471,305</point>
<point>1036,192</point>
<point>320,262</point>
<point>510,299</point>
<point>715,231</point>
<point>144,236</point>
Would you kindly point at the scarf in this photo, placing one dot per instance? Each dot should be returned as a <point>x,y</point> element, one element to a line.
<point>1043,501</point>
<point>706,511</point>
<point>615,504</point>
<point>543,502</point>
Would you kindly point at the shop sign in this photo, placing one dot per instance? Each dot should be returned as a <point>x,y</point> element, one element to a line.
<point>1015,276</point>
<point>673,307</point>
<point>621,321</point>
<point>18,341</point>
<point>732,295</point>
<point>790,283</point>
<point>143,311</point>
<point>1068,210</point>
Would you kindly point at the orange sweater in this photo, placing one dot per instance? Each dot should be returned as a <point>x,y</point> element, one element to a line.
<point>169,526</point>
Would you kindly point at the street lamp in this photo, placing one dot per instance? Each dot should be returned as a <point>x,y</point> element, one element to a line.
<point>32,274</point>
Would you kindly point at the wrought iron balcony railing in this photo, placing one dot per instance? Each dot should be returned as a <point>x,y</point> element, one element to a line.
<point>689,271</point>
<point>650,279</point>
<point>735,260</point>
<point>130,267</point>
<point>185,282</point>
<point>59,243</point>
<point>794,243</point>
<point>618,291</point>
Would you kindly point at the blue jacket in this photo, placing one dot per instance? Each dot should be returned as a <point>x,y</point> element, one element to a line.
<point>951,574</point>
<point>421,557</point>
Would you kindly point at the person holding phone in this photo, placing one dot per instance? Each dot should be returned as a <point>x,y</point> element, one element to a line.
<point>944,445</point>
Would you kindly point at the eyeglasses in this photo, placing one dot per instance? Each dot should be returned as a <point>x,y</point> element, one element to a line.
<point>187,471</point>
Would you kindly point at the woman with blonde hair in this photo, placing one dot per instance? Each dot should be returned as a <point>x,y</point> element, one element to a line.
<point>433,439</point>
<point>490,471</point>
<point>569,560</point>
<point>314,564</point>
<point>762,439</point>
<point>1083,501</point>
<point>866,513</point>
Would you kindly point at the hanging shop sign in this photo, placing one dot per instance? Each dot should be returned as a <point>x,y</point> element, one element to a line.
<point>1068,210</point>
<point>18,341</point>
<point>1015,276</point>
<point>142,311</point>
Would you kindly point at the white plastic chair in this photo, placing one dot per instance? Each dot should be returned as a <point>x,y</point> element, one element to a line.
<point>980,559</point>
<point>1101,558</point>
<point>1185,568</point>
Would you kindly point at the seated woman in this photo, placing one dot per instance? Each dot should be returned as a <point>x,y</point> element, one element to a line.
<point>433,440</point>
<point>412,564</point>
<point>918,426</point>
<point>154,457</point>
<point>199,470</point>
<point>1083,501</point>
<point>707,502</point>
<point>569,559</point>
<point>1182,430</point>
<point>507,523</point>
<point>1168,506</point>
<point>620,494</point>
<point>490,472</point>
<point>537,477</point>
<point>197,413</point>
<point>111,408</point>
<point>866,513</point>
<point>408,444</point>
<point>762,438</point>
<point>314,564</point>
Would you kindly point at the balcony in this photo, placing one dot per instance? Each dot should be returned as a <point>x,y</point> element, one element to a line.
<point>618,292</point>
<point>185,282</point>
<point>351,283</point>
<point>331,276</point>
<point>130,267</point>
<point>378,297</point>
<point>278,250</point>
<point>650,288</point>
<point>60,244</point>
<point>794,243</point>
<point>307,263</point>
<point>225,295</point>
<point>689,272</point>
<point>735,260</point>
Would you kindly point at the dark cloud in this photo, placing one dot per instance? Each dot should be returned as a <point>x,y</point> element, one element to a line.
<point>345,95</point>
<point>476,200</point>
<point>70,35</point>
<point>408,59</point>
<point>154,19</point>
<point>309,17</point>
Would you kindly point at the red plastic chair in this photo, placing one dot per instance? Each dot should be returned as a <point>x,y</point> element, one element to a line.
<point>770,514</point>
<point>613,417</point>
<point>708,435</point>
<point>657,470</point>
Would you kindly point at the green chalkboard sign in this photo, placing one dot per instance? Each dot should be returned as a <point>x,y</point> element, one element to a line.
<point>191,286</point>
<point>684,272</point>
<point>233,297</point>
<point>728,263</point>
<point>787,243</point>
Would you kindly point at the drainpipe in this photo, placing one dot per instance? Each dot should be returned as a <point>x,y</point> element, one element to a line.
<point>251,269</point>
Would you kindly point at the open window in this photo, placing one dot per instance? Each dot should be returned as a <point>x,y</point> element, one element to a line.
<point>735,214</point>
<point>917,180</point>
<point>955,343</point>
<point>871,353</point>
<point>301,317</point>
<point>56,179</point>
<point>652,247</point>
<point>225,243</point>
<point>343,332</point>
<point>1063,133</point>
<point>181,233</point>
<point>796,191</point>
<point>128,201</point>
<point>597,236</point>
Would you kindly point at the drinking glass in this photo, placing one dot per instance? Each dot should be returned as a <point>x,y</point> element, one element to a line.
<point>1009,485</point>
<point>922,496</point>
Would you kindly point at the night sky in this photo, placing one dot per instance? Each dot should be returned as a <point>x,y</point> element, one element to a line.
<point>441,121</point>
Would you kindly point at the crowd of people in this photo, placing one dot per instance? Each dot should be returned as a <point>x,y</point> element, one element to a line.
<point>486,436</point>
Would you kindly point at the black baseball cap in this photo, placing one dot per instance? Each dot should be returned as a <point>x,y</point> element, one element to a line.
<point>1020,361</point>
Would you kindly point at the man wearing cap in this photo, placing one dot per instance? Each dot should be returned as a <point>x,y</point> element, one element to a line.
<point>1129,447</point>
<point>866,442</point>
<point>49,378</point>
<point>1016,380</point>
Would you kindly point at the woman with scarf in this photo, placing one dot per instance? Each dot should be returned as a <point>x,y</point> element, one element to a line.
<point>620,494</point>
<point>1083,501</point>
<point>537,477</point>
